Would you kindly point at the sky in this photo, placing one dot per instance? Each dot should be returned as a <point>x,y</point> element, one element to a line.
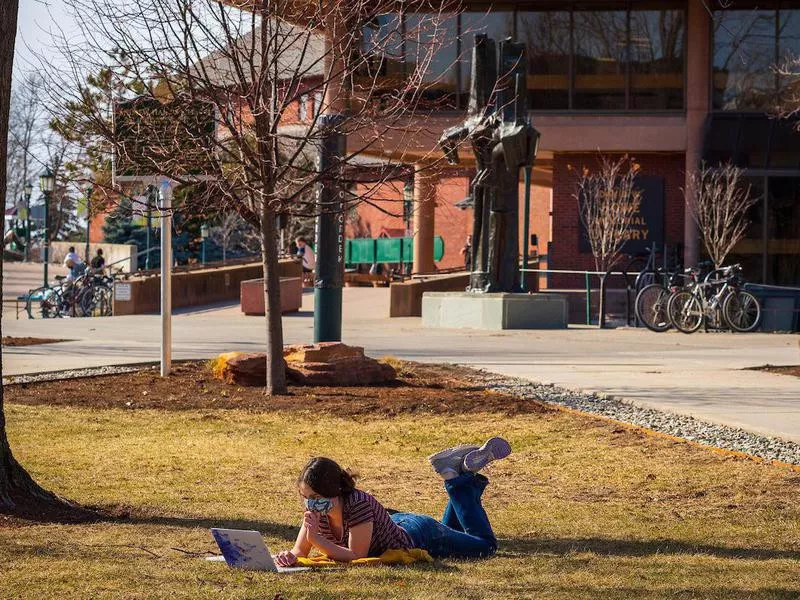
<point>36,19</point>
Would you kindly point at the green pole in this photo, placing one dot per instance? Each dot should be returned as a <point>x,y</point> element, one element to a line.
<point>588,301</point>
<point>331,207</point>
<point>46,243</point>
<point>526,229</point>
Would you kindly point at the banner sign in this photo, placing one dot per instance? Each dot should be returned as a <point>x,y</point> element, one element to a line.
<point>647,225</point>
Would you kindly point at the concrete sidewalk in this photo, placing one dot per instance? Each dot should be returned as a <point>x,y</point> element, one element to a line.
<point>700,375</point>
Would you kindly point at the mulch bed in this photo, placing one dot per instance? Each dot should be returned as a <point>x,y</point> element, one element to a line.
<point>28,341</point>
<point>424,389</point>
<point>792,370</point>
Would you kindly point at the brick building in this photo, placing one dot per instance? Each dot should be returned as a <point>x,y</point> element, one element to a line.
<point>670,83</point>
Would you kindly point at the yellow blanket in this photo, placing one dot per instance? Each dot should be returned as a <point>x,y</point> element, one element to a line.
<point>390,557</point>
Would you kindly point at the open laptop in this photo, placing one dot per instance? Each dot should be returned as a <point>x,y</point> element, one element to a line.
<point>243,549</point>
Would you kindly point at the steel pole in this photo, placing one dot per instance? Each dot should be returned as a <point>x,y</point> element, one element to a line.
<point>27,227</point>
<point>166,277</point>
<point>526,229</point>
<point>88,223</point>
<point>331,205</point>
<point>46,243</point>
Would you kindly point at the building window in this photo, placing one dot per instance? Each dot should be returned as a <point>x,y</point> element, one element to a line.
<point>615,57</point>
<point>317,104</point>
<point>748,45</point>
<point>498,25</point>
<point>600,65</point>
<point>304,107</point>
<point>745,51</point>
<point>656,59</point>
<point>432,41</point>
<point>548,39</point>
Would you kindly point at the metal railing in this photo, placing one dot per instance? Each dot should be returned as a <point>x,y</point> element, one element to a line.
<point>602,276</point>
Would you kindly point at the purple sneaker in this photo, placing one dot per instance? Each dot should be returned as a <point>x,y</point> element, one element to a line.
<point>494,449</point>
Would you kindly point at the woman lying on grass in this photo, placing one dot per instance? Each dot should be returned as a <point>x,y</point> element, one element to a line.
<point>345,523</point>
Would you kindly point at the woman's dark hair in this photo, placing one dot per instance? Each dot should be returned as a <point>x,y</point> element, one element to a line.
<point>327,478</point>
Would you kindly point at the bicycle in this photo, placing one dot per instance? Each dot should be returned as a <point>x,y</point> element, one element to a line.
<point>652,300</point>
<point>718,302</point>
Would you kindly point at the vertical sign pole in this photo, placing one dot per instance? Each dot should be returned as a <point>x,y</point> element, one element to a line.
<point>166,277</point>
<point>331,205</point>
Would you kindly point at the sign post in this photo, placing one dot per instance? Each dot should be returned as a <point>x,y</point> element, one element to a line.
<point>331,205</point>
<point>166,276</point>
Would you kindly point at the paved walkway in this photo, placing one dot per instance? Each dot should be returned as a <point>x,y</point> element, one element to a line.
<point>701,375</point>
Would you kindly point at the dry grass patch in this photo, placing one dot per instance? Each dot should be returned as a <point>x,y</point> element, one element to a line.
<point>583,508</point>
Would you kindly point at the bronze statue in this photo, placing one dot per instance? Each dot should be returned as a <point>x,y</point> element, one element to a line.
<point>503,140</point>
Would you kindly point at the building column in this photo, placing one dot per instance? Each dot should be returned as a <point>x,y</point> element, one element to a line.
<point>424,218</point>
<point>698,102</point>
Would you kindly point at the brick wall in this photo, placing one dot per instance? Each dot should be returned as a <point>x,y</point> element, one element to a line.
<point>384,211</point>
<point>565,252</point>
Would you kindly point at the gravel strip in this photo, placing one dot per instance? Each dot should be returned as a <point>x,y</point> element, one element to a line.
<point>688,428</point>
<point>77,373</point>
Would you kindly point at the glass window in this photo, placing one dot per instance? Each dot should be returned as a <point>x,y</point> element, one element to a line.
<point>600,59</point>
<point>432,44</point>
<point>744,53</point>
<point>788,53</point>
<point>546,36</point>
<point>749,252</point>
<point>498,25</point>
<point>783,231</point>
<point>382,45</point>
<point>657,59</point>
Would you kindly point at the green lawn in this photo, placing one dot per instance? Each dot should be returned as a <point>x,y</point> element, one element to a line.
<point>583,508</point>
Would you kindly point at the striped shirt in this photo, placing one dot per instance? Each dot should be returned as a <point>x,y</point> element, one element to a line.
<point>360,507</point>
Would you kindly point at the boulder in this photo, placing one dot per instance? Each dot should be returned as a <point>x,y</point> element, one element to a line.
<point>324,364</point>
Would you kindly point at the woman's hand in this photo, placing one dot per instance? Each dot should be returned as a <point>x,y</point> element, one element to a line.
<point>311,524</point>
<point>286,559</point>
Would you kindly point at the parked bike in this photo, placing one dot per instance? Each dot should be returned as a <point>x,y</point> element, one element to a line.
<point>717,301</point>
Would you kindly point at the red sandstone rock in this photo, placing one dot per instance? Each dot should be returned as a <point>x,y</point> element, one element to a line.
<point>325,364</point>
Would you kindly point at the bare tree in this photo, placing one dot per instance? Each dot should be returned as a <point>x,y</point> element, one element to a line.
<point>607,201</point>
<point>205,89</point>
<point>719,208</point>
<point>25,125</point>
<point>230,232</point>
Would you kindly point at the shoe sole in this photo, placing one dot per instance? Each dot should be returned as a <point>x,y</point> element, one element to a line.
<point>494,449</point>
<point>441,460</point>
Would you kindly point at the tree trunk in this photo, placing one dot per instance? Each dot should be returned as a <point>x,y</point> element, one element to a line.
<point>17,490</point>
<point>276,371</point>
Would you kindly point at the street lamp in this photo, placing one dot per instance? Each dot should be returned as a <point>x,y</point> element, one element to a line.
<point>27,190</point>
<point>47,183</point>
<point>87,188</point>
<point>204,237</point>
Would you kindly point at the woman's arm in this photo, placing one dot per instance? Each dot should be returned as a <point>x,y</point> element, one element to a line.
<point>359,543</point>
<point>302,546</point>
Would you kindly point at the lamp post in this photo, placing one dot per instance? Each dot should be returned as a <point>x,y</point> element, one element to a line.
<point>203,238</point>
<point>28,190</point>
<point>88,191</point>
<point>47,183</point>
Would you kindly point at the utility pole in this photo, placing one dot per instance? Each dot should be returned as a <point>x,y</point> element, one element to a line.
<point>331,204</point>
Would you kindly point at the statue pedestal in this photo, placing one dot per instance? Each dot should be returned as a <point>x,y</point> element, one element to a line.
<point>494,311</point>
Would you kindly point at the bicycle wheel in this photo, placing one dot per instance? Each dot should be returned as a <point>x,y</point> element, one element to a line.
<point>685,312</point>
<point>742,311</point>
<point>43,303</point>
<point>651,307</point>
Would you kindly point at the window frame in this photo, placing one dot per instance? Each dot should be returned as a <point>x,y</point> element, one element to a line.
<point>461,99</point>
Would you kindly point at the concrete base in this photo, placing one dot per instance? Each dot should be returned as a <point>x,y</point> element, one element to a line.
<point>494,311</point>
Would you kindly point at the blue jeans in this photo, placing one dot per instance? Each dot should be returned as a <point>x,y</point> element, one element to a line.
<point>464,531</point>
